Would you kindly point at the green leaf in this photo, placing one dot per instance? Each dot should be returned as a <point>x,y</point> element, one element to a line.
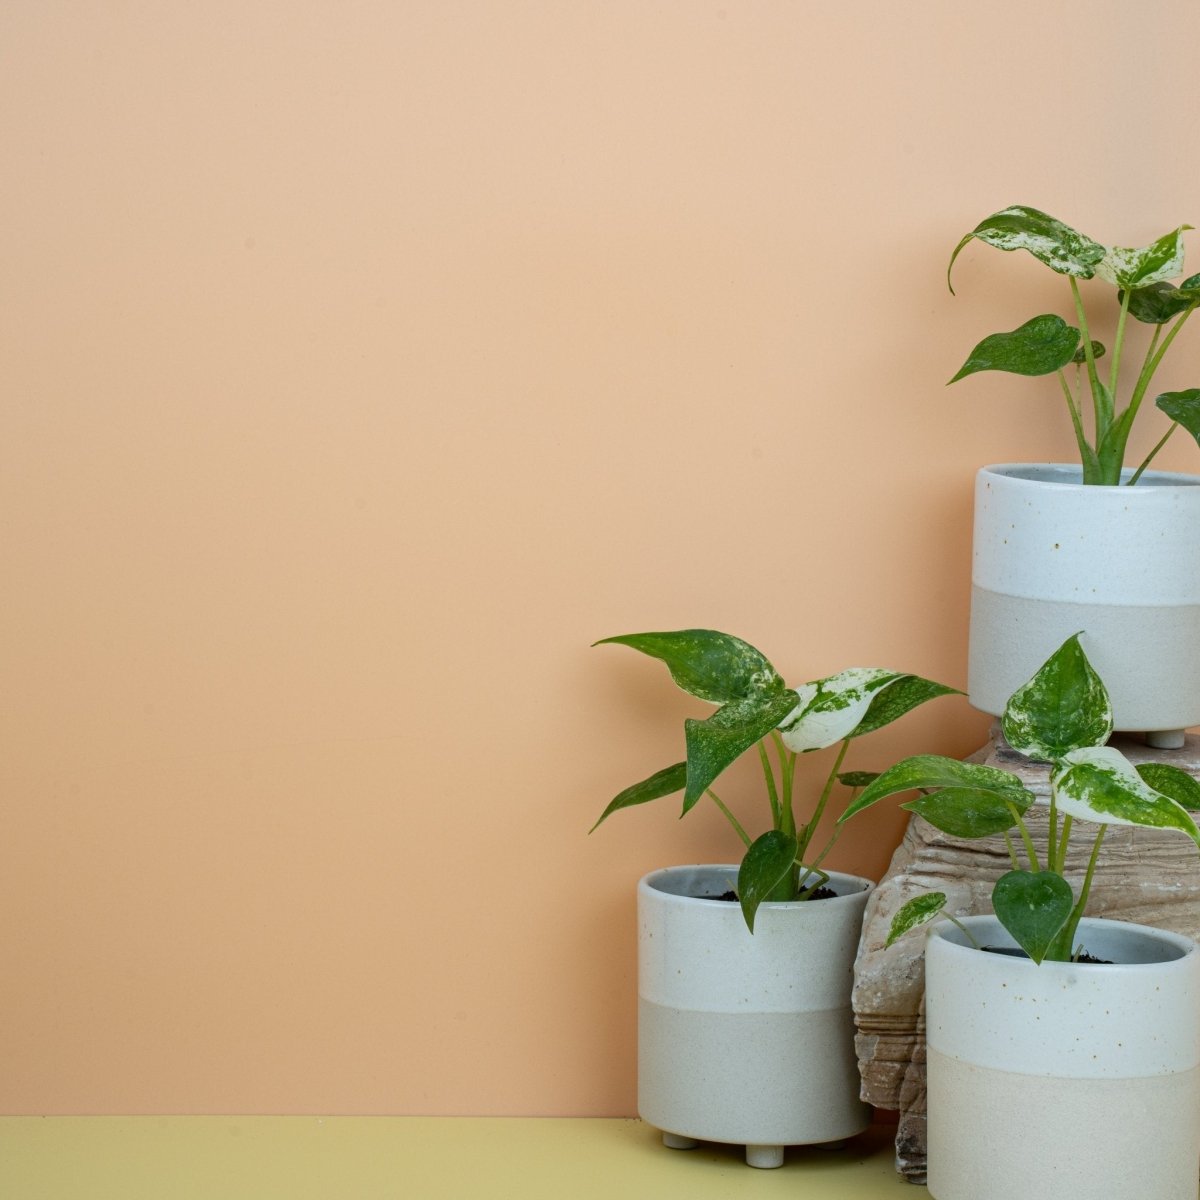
<point>706,663</point>
<point>713,744</point>
<point>828,710</point>
<point>857,779</point>
<point>1020,227</point>
<point>916,912</point>
<point>1080,355</point>
<point>1064,707</point>
<point>1039,347</point>
<point>1098,783</point>
<point>1172,782</point>
<point>899,697</point>
<point>1159,303</point>
<point>1183,407</point>
<point>1033,906</point>
<point>661,783</point>
<point>768,863</point>
<point>1146,265</point>
<point>970,812</point>
<point>933,771</point>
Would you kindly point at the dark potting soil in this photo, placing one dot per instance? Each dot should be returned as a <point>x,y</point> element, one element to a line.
<point>822,893</point>
<point>1013,952</point>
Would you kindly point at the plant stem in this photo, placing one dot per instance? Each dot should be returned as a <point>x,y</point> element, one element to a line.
<point>1153,358</point>
<point>1034,864</point>
<point>1062,845</point>
<point>837,832</point>
<point>737,827</point>
<point>772,793</point>
<point>1012,851</point>
<point>966,931</point>
<point>1076,422</point>
<point>802,892</point>
<point>1101,407</point>
<point>1118,343</point>
<point>787,775</point>
<point>1068,935</point>
<point>1052,838</point>
<point>811,828</point>
<point>1162,441</point>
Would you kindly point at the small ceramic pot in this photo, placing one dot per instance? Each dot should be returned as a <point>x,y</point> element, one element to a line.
<point>1054,558</point>
<point>747,1038</point>
<point>1068,1080</point>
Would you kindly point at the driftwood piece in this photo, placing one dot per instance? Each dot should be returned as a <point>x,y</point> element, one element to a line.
<point>1146,875</point>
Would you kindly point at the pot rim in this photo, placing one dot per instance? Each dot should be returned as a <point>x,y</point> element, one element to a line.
<point>1184,947</point>
<point>648,884</point>
<point>1033,474</point>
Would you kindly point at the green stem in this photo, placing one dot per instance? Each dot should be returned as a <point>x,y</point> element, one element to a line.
<point>1067,937</point>
<point>787,775</point>
<point>811,827</point>
<point>966,931</point>
<point>1052,839</point>
<point>1076,421</point>
<point>1034,864</point>
<point>803,892</point>
<point>1162,441</point>
<point>1100,404</point>
<point>772,793</point>
<point>1118,343</point>
<point>1012,852</point>
<point>837,832</point>
<point>1065,841</point>
<point>737,827</point>
<point>1153,358</point>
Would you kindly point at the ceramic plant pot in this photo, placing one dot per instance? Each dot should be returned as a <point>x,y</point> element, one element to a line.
<point>747,1038</point>
<point>1053,558</point>
<point>1066,1080</point>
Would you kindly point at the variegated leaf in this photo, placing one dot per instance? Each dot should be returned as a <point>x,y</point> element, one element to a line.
<point>1098,783</point>
<point>1146,265</point>
<point>714,666</point>
<point>1041,346</point>
<point>1183,407</point>
<point>1171,781</point>
<point>828,710</point>
<point>924,771</point>
<point>1020,227</point>
<point>916,912</point>
<point>965,812</point>
<point>661,783</point>
<point>1063,707</point>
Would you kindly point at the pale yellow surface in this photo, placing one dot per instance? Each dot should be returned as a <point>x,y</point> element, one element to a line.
<point>413,1158</point>
<point>363,362</point>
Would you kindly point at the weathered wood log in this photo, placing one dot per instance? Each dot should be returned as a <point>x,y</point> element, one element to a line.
<point>1146,875</point>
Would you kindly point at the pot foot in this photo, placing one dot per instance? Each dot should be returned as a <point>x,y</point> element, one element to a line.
<point>764,1156</point>
<point>674,1141</point>
<point>1165,739</point>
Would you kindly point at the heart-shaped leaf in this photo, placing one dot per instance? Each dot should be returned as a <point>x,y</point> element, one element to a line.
<point>766,872</point>
<point>897,698</point>
<point>713,744</point>
<point>1171,781</point>
<point>828,710</point>
<point>661,783</point>
<point>857,779</point>
<point>1020,227</point>
<point>1039,347</point>
<point>970,812</point>
<point>1146,265</point>
<point>714,666</point>
<point>933,771</point>
<point>916,912</point>
<point>1033,906</point>
<point>1183,407</point>
<point>1065,706</point>
<point>1098,783</point>
<point>1080,355</point>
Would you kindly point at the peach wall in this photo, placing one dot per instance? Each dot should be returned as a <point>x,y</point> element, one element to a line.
<point>364,362</point>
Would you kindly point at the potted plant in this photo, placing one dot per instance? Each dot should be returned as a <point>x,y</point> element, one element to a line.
<point>1064,547</point>
<point>744,1027</point>
<point>1063,1052</point>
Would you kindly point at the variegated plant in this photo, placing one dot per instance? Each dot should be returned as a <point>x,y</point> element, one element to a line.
<point>1048,345</point>
<point>758,709</point>
<point>1061,716</point>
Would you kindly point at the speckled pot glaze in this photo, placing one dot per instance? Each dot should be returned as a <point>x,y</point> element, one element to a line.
<point>1065,1080</point>
<point>747,1038</point>
<point>1053,558</point>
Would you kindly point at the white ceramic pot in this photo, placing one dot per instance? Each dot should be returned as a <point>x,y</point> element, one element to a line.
<point>1120,564</point>
<point>747,1038</point>
<point>1066,1080</point>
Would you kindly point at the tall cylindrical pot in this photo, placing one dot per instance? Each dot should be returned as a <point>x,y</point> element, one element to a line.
<point>1120,564</point>
<point>1069,1080</point>
<point>747,1038</point>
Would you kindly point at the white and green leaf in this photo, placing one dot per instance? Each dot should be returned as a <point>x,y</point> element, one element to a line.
<point>898,698</point>
<point>1064,707</point>
<point>1020,227</point>
<point>928,771</point>
<point>966,812</point>
<point>1041,346</point>
<point>706,663</point>
<point>917,911</point>
<point>1034,906</point>
<point>1161,302</point>
<point>1183,407</point>
<point>828,710</point>
<point>1098,783</point>
<point>1144,266</point>
<point>1171,781</point>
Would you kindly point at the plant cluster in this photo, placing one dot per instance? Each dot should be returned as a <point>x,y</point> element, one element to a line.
<point>1061,716</point>
<point>757,709</point>
<point>1048,345</point>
